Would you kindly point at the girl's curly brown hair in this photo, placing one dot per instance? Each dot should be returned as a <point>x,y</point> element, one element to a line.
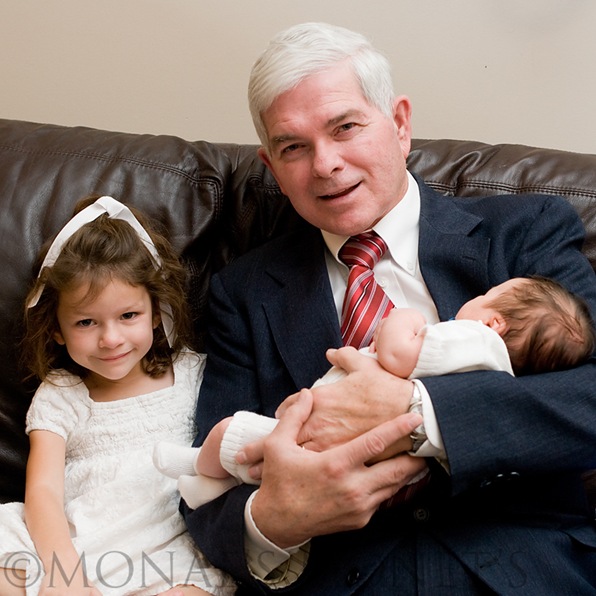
<point>100,251</point>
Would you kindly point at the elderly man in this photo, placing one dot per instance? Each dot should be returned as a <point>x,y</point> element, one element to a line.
<point>503,512</point>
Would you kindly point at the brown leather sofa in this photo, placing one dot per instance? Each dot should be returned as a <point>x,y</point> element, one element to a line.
<point>215,202</point>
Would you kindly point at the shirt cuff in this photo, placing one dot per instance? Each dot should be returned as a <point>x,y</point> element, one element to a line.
<point>433,445</point>
<point>267,562</point>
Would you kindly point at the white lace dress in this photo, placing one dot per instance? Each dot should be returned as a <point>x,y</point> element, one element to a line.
<point>122,512</point>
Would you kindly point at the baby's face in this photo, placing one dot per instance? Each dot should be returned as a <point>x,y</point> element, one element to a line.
<point>479,309</point>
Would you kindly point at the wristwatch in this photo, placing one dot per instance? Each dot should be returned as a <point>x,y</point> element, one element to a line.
<point>418,435</point>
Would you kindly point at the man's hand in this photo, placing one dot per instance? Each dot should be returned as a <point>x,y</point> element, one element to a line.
<point>306,493</point>
<point>367,397</point>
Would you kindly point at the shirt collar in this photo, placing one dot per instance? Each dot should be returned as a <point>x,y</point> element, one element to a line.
<point>399,228</point>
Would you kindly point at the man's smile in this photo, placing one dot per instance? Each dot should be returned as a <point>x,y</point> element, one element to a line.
<point>341,193</point>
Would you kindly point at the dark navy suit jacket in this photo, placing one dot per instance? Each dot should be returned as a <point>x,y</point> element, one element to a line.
<point>512,513</point>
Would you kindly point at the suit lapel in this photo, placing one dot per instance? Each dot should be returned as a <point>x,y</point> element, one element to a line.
<point>453,260</point>
<point>300,308</point>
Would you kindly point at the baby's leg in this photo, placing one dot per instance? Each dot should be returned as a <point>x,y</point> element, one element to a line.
<point>174,460</point>
<point>200,489</point>
<point>12,582</point>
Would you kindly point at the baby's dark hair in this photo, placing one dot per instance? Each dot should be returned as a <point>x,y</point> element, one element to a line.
<point>102,250</point>
<point>549,328</point>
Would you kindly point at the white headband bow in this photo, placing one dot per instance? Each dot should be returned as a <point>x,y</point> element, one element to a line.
<point>115,210</point>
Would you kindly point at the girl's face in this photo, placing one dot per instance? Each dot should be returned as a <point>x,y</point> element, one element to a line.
<point>110,334</point>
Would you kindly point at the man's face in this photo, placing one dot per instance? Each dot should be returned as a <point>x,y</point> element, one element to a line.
<point>340,160</point>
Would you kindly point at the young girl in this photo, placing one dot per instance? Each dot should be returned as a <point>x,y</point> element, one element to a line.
<point>106,326</point>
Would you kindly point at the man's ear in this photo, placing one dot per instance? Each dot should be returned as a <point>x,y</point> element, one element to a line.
<point>497,323</point>
<point>264,155</point>
<point>402,117</point>
<point>58,338</point>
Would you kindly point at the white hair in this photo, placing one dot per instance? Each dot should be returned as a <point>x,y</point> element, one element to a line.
<point>306,49</point>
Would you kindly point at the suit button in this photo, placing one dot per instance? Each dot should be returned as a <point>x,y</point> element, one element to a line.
<point>353,577</point>
<point>421,514</point>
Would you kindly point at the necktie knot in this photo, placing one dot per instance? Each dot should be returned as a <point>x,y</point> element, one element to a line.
<point>364,250</point>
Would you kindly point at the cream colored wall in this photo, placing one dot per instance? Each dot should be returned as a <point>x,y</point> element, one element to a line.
<point>518,71</point>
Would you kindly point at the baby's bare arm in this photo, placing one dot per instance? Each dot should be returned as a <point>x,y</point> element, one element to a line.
<point>398,341</point>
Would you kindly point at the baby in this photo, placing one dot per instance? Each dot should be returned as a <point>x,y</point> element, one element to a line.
<point>522,326</point>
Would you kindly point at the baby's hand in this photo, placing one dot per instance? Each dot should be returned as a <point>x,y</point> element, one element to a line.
<point>251,455</point>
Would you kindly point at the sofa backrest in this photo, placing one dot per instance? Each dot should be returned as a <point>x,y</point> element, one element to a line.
<point>214,202</point>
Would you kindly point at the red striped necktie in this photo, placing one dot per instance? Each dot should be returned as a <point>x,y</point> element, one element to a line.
<point>365,302</point>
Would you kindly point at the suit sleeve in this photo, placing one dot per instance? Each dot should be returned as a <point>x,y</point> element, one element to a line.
<point>492,423</point>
